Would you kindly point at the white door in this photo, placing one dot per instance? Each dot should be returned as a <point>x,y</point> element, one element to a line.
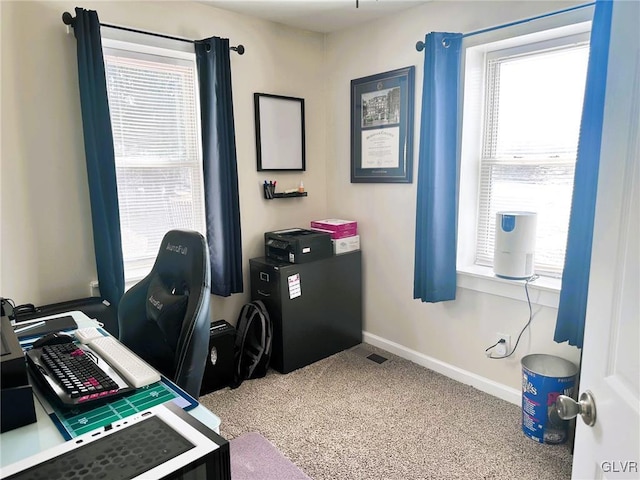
<point>610,359</point>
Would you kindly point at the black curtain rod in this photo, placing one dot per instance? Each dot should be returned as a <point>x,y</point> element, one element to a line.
<point>68,19</point>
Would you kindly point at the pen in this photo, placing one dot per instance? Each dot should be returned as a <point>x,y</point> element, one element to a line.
<point>29,327</point>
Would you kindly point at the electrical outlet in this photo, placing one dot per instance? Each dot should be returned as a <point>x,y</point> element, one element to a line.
<point>503,349</point>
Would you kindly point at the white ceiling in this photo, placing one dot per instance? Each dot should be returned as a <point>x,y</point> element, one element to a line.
<point>316,15</point>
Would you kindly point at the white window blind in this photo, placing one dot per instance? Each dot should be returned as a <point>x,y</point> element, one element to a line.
<point>533,108</point>
<point>155,122</point>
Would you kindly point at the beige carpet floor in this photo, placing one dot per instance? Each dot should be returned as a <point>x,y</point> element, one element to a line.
<point>349,418</point>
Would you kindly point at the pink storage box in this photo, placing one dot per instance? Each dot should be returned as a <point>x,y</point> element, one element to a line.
<point>336,235</point>
<point>336,225</point>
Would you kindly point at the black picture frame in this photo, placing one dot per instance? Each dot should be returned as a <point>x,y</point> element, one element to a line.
<point>382,127</point>
<point>280,137</point>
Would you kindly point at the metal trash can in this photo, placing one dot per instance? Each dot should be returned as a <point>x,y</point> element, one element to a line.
<point>544,377</point>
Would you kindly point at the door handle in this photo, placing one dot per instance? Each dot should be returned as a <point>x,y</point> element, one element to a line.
<point>263,293</point>
<point>568,408</point>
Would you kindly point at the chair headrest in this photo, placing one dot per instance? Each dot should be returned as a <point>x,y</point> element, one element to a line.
<point>175,283</point>
<point>181,258</point>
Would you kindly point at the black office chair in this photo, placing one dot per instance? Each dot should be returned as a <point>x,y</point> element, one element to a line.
<point>165,317</point>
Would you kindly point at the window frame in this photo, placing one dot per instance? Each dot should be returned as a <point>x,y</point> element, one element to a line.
<point>545,290</point>
<point>135,45</point>
<point>490,157</point>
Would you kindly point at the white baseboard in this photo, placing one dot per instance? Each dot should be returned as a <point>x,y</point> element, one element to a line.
<point>496,389</point>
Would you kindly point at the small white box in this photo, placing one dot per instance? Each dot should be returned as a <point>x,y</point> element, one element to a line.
<point>347,244</point>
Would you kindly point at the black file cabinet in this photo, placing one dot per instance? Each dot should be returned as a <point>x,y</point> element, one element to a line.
<point>315,307</point>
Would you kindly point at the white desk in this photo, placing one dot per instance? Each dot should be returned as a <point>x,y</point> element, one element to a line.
<point>36,437</point>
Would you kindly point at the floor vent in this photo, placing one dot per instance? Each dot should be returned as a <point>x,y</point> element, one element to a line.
<point>364,351</point>
<point>377,358</point>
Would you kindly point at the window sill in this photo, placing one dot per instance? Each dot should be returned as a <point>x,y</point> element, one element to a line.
<point>542,291</point>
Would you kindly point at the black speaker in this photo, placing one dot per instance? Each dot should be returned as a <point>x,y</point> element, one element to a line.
<point>218,372</point>
<point>16,408</point>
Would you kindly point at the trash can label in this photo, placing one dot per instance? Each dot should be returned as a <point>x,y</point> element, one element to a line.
<point>540,420</point>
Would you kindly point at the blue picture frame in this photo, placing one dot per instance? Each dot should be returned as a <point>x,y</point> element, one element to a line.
<point>382,127</point>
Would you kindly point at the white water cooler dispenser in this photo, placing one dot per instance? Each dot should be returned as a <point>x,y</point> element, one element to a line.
<point>515,244</point>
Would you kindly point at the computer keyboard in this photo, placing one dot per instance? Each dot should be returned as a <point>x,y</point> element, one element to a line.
<point>98,370</point>
<point>131,367</point>
<point>72,374</point>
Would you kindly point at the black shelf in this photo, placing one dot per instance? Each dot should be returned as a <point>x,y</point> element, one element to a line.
<point>269,194</point>
<point>289,195</point>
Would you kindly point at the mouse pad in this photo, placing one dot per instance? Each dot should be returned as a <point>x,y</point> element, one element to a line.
<point>57,324</point>
<point>78,420</point>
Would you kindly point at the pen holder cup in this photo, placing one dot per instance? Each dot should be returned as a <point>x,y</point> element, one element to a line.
<point>269,190</point>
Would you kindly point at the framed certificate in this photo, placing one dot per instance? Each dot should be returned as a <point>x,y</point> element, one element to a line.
<point>382,127</point>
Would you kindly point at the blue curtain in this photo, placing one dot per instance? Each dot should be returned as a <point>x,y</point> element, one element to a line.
<point>222,202</point>
<point>437,203</point>
<point>98,146</point>
<point>575,278</point>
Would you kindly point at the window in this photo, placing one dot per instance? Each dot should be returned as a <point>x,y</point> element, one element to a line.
<point>532,111</point>
<point>155,119</point>
<point>521,121</point>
